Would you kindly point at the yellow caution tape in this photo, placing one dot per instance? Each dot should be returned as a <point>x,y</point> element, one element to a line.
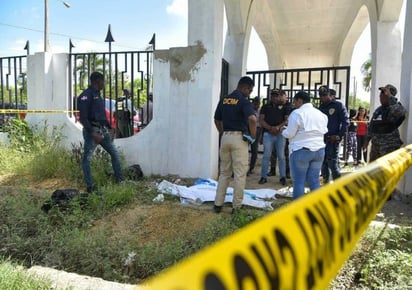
<point>300,246</point>
<point>16,111</point>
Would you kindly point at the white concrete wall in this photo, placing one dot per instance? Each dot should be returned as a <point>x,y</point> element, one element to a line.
<point>4,140</point>
<point>47,89</point>
<point>181,139</point>
<point>406,92</point>
<point>385,45</point>
<point>386,58</point>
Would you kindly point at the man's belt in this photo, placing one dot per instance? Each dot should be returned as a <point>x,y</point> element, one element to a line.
<point>98,124</point>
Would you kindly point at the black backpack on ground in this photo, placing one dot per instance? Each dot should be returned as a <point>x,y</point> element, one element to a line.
<point>61,198</point>
<point>133,172</point>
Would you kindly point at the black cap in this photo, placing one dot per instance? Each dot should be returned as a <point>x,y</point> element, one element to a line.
<point>323,90</point>
<point>277,92</point>
<point>332,92</point>
<point>391,88</point>
<point>256,100</point>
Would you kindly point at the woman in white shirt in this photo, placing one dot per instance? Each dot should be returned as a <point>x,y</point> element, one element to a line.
<point>305,131</point>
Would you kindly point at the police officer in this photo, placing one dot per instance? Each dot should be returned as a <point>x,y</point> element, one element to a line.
<point>234,115</point>
<point>96,128</point>
<point>123,115</point>
<point>338,121</point>
<point>383,129</point>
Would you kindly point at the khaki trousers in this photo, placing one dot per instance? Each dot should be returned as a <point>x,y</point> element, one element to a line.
<point>234,157</point>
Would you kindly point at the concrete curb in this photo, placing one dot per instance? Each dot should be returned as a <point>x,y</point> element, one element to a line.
<point>64,280</point>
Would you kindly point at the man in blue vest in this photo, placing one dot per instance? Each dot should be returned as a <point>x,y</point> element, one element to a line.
<point>96,129</point>
<point>338,121</point>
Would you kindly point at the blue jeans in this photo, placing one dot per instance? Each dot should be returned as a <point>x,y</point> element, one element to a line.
<point>270,140</point>
<point>89,147</point>
<point>305,166</point>
<point>331,161</point>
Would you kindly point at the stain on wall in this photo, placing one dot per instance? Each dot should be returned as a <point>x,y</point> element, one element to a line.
<point>183,60</point>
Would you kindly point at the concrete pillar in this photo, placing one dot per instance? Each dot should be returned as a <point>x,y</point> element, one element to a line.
<point>205,28</point>
<point>47,88</point>
<point>386,57</point>
<point>405,93</point>
<point>235,53</point>
<point>239,18</point>
<point>182,139</point>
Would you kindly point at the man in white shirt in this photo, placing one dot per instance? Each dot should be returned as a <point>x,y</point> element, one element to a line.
<point>305,131</point>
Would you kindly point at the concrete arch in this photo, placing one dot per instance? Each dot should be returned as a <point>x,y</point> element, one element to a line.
<point>266,30</point>
<point>385,44</point>
<point>240,15</point>
<point>345,53</point>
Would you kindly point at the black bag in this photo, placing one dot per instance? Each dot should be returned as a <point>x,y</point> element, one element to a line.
<point>133,172</point>
<point>61,198</point>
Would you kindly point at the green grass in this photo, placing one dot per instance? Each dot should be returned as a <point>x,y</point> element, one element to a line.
<point>381,260</point>
<point>72,241</point>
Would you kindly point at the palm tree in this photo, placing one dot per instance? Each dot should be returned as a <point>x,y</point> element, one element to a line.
<point>366,70</point>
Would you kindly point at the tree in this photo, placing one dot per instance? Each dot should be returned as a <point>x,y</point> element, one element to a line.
<point>115,79</point>
<point>90,62</point>
<point>366,70</point>
<point>357,103</point>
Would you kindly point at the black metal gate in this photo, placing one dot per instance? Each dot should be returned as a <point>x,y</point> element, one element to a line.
<point>131,70</point>
<point>308,79</point>
<point>224,79</point>
<point>13,86</point>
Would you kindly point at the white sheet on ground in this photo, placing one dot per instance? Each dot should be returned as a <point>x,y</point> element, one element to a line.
<point>205,190</point>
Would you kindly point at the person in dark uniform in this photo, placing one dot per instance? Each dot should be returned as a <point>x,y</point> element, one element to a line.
<point>273,116</point>
<point>123,115</point>
<point>383,129</point>
<point>234,118</point>
<point>254,147</point>
<point>338,121</point>
<point>96,128</point>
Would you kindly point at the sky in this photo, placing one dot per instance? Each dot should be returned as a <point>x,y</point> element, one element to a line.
<point>132,22</point>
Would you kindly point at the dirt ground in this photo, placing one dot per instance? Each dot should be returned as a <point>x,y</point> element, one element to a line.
<point>153,222</point>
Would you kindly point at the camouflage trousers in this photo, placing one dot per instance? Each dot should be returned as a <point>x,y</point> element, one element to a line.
<point>383,144</point>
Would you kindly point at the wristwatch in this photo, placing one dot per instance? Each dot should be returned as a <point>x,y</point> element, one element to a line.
<point>337,138</point>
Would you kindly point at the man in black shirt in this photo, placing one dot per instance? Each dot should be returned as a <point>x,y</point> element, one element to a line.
<point>273,116</point>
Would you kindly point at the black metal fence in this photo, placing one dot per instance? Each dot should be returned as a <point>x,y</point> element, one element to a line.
<point>13,86</point>
<point>131,70</point>
<point>224,79</point>
<point>307,79</point>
